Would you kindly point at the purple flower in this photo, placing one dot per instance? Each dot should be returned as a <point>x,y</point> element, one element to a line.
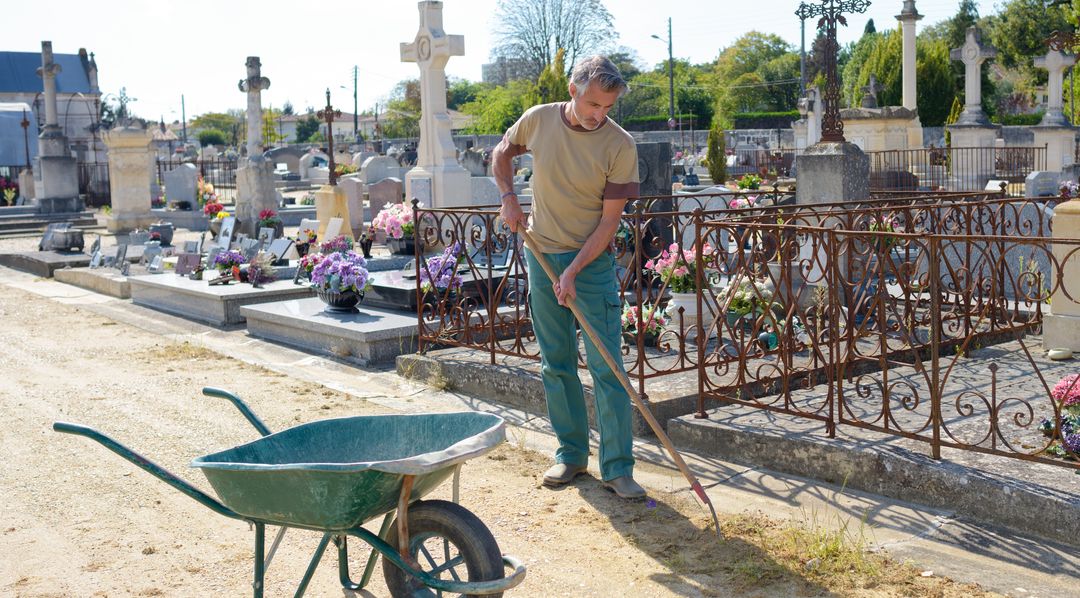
<point>650,504</point>
<point>341,271</point>
<point>339,244</point>
<point>440,272</point>
<point>227,259</point>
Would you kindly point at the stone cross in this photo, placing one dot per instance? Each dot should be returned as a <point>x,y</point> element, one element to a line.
<point>871,91</point>
<point>831,13</point>
<point>972,54</point>
<point>48,72</point>
<point>1056,63</point>
<point>25,124</point>
<point>431,49</point>
<point>253,86</point>
<point>328,114</point>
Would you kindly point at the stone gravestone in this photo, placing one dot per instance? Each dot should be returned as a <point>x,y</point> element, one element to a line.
<point>654,168</point>
<point>386,191</point>
<point>310,161</point>
<point>473,160</point>
<point>360,157</point>
<point>181,183</point>
<point>485,191</point>
<point>354,199</point>
<point>377,168</point>
<point>255,177</point>
<point>1041,183</point>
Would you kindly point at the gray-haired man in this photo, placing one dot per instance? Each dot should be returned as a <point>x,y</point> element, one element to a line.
<point>584,170</point>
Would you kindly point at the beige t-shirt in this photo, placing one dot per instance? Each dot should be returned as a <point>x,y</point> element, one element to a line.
<point>574,170</point>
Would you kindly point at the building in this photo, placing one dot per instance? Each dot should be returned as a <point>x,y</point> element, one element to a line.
<point>505,70</point>
<point>78,99</point>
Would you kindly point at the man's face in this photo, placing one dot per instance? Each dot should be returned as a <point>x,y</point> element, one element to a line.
<point>591,108</point>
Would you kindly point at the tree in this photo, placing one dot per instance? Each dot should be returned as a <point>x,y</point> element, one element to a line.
<point>967,15</point>
<point>403,110</point>
<point>230,124</point>
<point>934,80</point>
<point>495,109</point>
<point>815,60</point>
<point>533,30</point>
<point>306,127</point>
<point>1019,33</point>
<point>749,75</point>
<point>270,130</point>
<point>716,155</point>
<point>287,109</point>
<point>628,62</point>
<point>552,86</point>
<point>211,137</point>
<point>857,55</point>
<point>869,27</point>
<point>462,91</point>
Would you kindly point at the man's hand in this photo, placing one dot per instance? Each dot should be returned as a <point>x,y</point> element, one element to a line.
<point>565,290</point>
<point>511,213</point>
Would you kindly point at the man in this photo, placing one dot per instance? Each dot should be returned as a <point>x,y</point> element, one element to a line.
<point>584,169</point>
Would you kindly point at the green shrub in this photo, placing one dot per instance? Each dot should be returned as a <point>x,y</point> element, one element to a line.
<point>714,154</point>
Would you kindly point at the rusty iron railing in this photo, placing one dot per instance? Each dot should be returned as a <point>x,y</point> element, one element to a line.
<point>952,168</point>
<point>844,294</point>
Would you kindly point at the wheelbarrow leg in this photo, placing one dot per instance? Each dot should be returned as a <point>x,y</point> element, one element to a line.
<point>314,564</point>
<point>260,546</point>
<point>343,557</point>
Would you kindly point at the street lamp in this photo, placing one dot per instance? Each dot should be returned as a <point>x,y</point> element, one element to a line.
<point>671,75</point>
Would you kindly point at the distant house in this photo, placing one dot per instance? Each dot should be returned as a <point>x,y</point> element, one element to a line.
<point>78,99</point>
<point>505,70</point>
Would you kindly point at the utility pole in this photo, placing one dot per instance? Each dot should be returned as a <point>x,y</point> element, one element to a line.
<point>671,76</point>
<point>803,12</point>
<point>355,110</point>
<point>183,119</point>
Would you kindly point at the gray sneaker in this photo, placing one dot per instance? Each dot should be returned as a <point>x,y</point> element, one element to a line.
<point>625,487</point>
<point>561,474</point>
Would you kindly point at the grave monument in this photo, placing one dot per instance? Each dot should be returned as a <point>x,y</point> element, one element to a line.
<point>56,179</point>
<point>832,169</point>
<point>131,166</point>
<point>1061,325</point>
<point>437,180</point>
<point>973,129</point>
<point>331,200</point>
<point>255,177</point>
<point>1055,132</point>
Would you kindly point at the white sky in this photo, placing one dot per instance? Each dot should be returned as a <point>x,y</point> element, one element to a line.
<point>159,50</point>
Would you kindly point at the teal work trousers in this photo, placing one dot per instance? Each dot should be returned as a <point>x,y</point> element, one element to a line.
<point>555,330</point>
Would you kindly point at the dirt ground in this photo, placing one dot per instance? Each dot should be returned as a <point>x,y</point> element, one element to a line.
<point>76,520</point>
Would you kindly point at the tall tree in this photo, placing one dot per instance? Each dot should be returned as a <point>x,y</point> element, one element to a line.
<point>495,109</point>
<point>533,30</point>
<point>1019,33</point>
<point>552,85</point>
<point>746,78</point>
<point>306,127</point>
<point>870,28</point>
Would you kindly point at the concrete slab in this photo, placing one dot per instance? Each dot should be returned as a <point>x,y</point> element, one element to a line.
<point>217,305</point>
<point>370,335</point>
<point>46,263</point>
<point>107,281</point>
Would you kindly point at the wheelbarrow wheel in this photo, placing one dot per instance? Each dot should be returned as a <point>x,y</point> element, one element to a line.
<point>448,542</point>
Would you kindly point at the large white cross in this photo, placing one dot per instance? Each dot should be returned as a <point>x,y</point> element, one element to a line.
<point>48,72</point>
<point>1056,63</point>
<point>431,49</point>
<point>972,54</point>
<point>253,86</point>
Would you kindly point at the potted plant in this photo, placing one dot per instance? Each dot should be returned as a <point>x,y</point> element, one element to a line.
<point>270,219</point>
<point>676,268</point>
<point>1065,438</point>
<point>340,280</point>
<point>229,261</point>
<point>303,240</point>
<point>396,220</point>
<point>649,324</point>
<point>164,232</point>
<point>205,192</point>
<point>748,297</point>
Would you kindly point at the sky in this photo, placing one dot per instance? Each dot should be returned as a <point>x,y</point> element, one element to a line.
<point>162,50</point>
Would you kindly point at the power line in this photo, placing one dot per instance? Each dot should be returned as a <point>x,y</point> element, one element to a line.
<point>748,85</point>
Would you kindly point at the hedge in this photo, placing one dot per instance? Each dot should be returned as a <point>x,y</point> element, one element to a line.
<point>764,120</point>
<point>1022,120</point>
<point>658,122</point>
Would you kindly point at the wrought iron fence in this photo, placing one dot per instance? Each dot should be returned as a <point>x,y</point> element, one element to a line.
<point>94,183</point>
<point>852,295</point>
<point>219,172</point>
<point>760,161</point>
<point>952,168</point>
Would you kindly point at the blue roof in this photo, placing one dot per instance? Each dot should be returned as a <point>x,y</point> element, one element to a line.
<point>18,73</point>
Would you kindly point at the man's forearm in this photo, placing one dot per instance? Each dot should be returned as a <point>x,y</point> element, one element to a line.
<point>595,244</point>
<point>502,166</point>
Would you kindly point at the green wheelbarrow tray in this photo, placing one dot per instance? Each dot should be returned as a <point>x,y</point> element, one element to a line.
<point>337,474</point>
<point>333,475</point>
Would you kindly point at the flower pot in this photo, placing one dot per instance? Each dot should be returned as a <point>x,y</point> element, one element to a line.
<point>302,249</point>
<point>688,303</point>
<point>165,230</point>
<point>339,302</point>
<point>649,338</point>
<point>215,227</point>
<point>365,247</point>
<point>402,246</point>
<point>735,320</point>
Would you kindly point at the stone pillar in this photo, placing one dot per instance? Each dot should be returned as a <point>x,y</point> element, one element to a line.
<point>908,17</point>
<point>130,168</point>
<point>1061,324</point>
<point>56,178</point>
<point>437,180</point>
<point>831,172</point>
<point>255,190</point>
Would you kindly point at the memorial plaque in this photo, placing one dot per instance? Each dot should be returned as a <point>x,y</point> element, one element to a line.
<point>279,247</point>
<point>421,190</point>
<point>191,247</point>
<point>308,225</point>
<point>96,246</point>
<point>228,224</point>
<point>333,228</point>
<point>157,265</point>
<point>186,263</point>
<point>121,256</point>
<point>214,251</point>
<point>266,234</point>
<point>95,260</point>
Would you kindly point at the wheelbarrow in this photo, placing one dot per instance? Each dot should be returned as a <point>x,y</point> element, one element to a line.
<point>334,475</point>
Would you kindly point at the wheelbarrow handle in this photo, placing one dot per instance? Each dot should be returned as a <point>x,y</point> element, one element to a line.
<point>149,466</point>
<point>246,411</point>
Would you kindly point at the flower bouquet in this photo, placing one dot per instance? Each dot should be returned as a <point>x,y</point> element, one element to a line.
<point>749,181</point>
<point>269,219</point>
<point>1070,189</point>
<point>205,192</point>
<point>339,244</point>
<point>227,260</point>
<point>881,224</point>
<point>396,220</point>
<point>439,273</point>
<point>650,324</point>
<point>303,240</point>
<point>676,268</point>
<point>213,208</point>
<point>750,296</point>
<point>1066,438</point>
<point>340,279</point>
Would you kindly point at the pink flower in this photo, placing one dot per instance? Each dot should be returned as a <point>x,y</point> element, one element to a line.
<point>1067,390</point>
